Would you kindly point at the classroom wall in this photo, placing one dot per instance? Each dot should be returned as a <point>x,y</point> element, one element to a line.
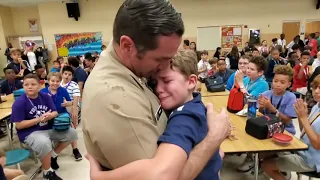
<point>20,17</point>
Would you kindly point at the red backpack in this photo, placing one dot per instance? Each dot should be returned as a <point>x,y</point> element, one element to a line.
<point>235,100</point>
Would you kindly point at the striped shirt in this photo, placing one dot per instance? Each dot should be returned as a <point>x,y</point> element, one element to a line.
<point>72,88</point>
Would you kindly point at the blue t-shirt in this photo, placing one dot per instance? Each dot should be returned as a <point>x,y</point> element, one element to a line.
<point>58,98</point>
<point>230,81</point>
<point>257,87</point>
<point>285,106</point>
<point>8,88</point>
<point>54,70</point>
<point>26,109</point>
<point>312,155</point>
<point>187,126</point>
<point>80,75</point>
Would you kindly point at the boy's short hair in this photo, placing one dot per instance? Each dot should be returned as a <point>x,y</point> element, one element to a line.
<point>56,61</point>
<point>15,50</point>
<point>73,61</point>
<point>295,47</point>
<point>246,57</point>
<point>38,66</point>
<point>31,76</point>
<point>260,62</point>
<point>305,53</point>
<point>59,57</point>
<point>93,59</point>
<point>316,82</point>
<point>68,68</point>
<point>247,49</point>
<point>186,42</point>
<point>55,74</point>
<point>274,40</point>
<point>291,53</point>
<point>186,61</point>
<point>313,35</point>
<point>264,54</point>
<point>284,70</point>
<point>275,49</point>
<point>254,49</point>
<point>307,48</point>
<point>8,68</point>
<point>204,53</point>
<point>213,60</point>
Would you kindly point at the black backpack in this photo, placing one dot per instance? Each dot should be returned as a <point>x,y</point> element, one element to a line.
<point>214,84</point>
<point>264,127</point>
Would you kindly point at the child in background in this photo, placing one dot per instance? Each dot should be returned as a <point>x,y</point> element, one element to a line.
<point>74,93</point>
<point>279,101</point>
<point>56,66</point>
<point>11,83</point>
<point>243,66</point>
<point>213,63</point>
<point>247,51</point>
<point>89,64</point>
<point>264,47</point>
<point>223,72</point>
<point>32,113</point>
<point>187,124</point>
<point>274,61</point>
<point>316,62</point>
<point>308,49</point>
<point>20,67</point>
<point>203,66</point>
<point>255,52</point>
<point>301,74</point>
<point>293,59</point>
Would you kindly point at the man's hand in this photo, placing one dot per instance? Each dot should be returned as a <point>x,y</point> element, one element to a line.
<point>218,124</point>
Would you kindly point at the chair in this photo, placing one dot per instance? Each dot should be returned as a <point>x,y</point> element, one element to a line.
<point>14,157</point>
<point>311,175</point>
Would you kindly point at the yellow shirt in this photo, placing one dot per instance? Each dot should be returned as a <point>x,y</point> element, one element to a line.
<point>119,114</point>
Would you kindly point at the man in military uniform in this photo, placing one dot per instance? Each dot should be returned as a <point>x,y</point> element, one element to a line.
<point>122,118</point>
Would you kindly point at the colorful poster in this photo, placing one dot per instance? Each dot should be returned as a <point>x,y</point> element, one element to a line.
<point>77,44</point>
<point>230,36</point>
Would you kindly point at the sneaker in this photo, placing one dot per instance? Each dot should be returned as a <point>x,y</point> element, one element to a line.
<point>77,155</point>
<point>54,164</point>
<point>51,175</point>
<point>247,165</point>
<point>287,175</point>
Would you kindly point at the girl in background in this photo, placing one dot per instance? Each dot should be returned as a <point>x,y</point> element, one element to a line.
<point>233,58</point>
<point>217,53</point>
<point>193,46</point>
<point>264,47</point>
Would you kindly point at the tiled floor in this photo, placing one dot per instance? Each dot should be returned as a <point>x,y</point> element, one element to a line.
<point>72,170</point>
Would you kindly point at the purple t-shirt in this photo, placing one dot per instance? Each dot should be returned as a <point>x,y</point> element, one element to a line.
<point>26,109</point>
<point>285,106</point>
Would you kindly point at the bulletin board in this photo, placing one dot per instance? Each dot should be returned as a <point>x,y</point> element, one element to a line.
<point>230,36</point>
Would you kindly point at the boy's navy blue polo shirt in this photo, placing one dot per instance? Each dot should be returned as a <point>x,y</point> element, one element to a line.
<point>8,88</point>
<point>187,126</point>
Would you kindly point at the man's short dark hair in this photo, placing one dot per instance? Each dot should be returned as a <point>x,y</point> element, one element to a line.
<point>274,40</point>
<point>260,62</point>
<point>144,20</point>
<point>67,68</point>
<point>88,54</point>
<point>93,59</point>
<point>8,68</point>
<point>186,42</point>
<point>313,35</point>
<point>38,66</point>
<point>305,53</point>
<point>204,53</point>
<point>73,61</point>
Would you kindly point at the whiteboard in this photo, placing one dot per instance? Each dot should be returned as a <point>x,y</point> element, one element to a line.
<point>208,38</point>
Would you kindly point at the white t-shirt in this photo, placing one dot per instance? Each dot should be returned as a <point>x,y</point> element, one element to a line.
<point>201,64</point>
<point>315,64</point>
<point>72,88</point>
<point>283,42</point>
<point>32,60</point>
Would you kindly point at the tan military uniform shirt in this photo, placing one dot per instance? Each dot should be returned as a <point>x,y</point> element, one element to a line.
<point>120,114</point>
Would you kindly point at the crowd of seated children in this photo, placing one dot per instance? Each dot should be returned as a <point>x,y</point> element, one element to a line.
<point>187,124</point>
<point>213,64</point>
<point>279,101</point>
<point>223,72</point>
<point>301,74</point>
<point>272,62</point>
<point>243,66</point>
<point>74,93</point>
<point>11,83</point>
<point>33,114</point>
<point>56,66</point>
<point>301,161</point>
<point>203,66</point>
<point>80,76</point>
<point>20,67</point>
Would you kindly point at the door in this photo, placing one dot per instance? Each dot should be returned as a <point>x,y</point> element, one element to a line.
<point>312,27</point>
<point>291,30</point>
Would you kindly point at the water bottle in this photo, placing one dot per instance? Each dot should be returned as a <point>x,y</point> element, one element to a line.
<point>252,107</point>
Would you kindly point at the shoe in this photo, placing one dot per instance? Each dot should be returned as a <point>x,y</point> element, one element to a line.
<point>77,155</point>
<point>247,165</point>
<point>51,175</point>
<point>287,175</point>
<point>54,164</point>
